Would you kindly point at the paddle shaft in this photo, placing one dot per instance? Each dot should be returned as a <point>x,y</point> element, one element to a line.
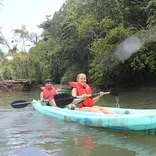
<point>60,99</point>
<point>88,95</point>
<point>68,99</point>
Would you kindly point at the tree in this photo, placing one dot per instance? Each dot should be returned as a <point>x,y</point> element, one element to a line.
<point>83,36</point>
<point>1,61</point>
<point>23,40</point>
<point>3,40</point>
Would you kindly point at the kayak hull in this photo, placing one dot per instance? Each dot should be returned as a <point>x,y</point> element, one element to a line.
<point>63,90</point>
<point>143,120</point>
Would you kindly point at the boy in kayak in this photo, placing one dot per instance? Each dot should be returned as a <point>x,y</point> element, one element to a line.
<point>81,88</point>
<point>47,94</point>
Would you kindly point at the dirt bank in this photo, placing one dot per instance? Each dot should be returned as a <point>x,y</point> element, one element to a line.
<point>15,85</point>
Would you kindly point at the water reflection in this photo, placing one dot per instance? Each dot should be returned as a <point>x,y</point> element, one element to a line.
<point>83,145</point>
<point>26,132</point>
<point>116,143</point>
<point>31,133</point>
<point>117,101</point>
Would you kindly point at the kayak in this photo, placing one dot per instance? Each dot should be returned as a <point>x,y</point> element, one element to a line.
<point>63,90</point>
<point>141,120</point>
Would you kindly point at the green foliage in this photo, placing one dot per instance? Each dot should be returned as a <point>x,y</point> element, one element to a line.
<point>151,9</point>
<point>88,28</point>
<point>22,33</point>
<point>1,54</point>
<point>103,51</point>
<point>105,25</point>
<point>16,68</point>
<point>145,60</point>
<point>82,37</point>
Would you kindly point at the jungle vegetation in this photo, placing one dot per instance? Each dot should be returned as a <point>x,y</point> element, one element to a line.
<point>83,36</point>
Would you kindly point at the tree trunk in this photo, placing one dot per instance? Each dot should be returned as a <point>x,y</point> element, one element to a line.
<point>1,76</point>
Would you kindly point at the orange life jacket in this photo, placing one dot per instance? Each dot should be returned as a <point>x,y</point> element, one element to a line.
<point>48,93</point>
<point>83,90</point>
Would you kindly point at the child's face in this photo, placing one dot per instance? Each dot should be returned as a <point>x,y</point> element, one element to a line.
<point>81,79</point>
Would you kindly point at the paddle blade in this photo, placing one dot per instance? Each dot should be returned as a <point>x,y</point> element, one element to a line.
<point>62,100</point>
<point>20,104</point>
<point>114,92</point>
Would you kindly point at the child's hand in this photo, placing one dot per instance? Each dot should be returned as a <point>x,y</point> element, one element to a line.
<point>84,96</point>
<point>101,93</point>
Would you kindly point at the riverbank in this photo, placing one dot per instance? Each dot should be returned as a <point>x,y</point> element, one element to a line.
<point>15,85</point>
<point>25,85</point>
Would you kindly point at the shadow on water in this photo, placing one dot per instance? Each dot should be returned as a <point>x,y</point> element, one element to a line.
<point>26,132</point>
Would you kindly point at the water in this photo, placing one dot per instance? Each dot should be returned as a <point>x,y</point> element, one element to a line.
<point>25,132</point>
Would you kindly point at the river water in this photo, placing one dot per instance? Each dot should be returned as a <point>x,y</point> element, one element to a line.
<point>25,132</point>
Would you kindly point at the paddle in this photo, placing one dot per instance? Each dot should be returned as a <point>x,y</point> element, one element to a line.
<point>61,100</point>
<point>20,104</point>
<point>65,99</point>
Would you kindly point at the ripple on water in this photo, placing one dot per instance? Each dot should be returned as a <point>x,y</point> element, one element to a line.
<point>25,132</point>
